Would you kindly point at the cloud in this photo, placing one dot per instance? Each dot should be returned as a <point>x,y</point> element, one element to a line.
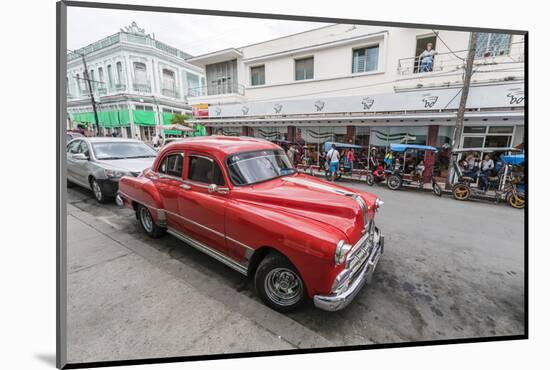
<point>194,34</point>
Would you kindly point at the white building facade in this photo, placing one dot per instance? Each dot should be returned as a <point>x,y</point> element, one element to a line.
<point>365,85</point>
<point>138,83</point>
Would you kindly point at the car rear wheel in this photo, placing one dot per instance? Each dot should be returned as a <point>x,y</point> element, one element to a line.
<point>148,223</point>
<point>394,182</point>
<point>461,191</point>
<point>279,284</point>
<point>99,192</point>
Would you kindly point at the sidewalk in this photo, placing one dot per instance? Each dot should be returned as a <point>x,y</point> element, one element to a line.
<point>130,299</point>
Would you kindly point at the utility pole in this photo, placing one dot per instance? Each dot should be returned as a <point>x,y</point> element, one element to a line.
<point>464,97</point>
<point>89,81</point>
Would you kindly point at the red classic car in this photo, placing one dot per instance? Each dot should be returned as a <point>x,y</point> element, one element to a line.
<point>240,201</point>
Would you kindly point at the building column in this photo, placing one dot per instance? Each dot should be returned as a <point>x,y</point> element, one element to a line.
<point>133,129</point>
<point>350,134</point>
<point>429,157</point>
<point>291,130</point>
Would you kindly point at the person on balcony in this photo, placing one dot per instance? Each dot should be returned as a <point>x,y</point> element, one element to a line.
<point>427,58</point>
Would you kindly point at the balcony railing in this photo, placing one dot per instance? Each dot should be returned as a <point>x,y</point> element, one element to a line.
<point>102,90</point>
<point>120,87</point>
<point>145,88</point>
<point>171,93</point>
<point>455,61</point>
<point>216,89</point>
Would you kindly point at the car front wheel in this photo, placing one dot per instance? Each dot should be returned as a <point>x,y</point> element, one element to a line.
<point>99,192</point>
<point>279,284</point>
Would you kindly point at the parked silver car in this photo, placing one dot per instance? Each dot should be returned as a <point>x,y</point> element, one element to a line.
<point>98,163</point>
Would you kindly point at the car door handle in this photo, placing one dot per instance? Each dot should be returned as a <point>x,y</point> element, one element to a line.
<point>185,186</point>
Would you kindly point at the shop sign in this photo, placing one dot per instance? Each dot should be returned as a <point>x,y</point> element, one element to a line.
<point>491,96</point>
<point>200,110</point>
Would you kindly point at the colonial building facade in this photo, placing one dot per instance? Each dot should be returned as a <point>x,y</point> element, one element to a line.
<point>138,82</point>
<point>365,85</point>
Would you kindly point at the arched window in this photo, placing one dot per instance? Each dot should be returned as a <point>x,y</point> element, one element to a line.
<point>77,78</point>
<point>110,76</point>
<point>140,73</point>
<point>168,82</point>
<point>119,76</point>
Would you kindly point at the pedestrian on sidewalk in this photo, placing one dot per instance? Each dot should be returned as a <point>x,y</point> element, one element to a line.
<point>333,157</point>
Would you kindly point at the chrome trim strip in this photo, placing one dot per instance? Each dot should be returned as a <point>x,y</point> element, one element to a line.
<point>197,224</point>
<point>249,251</point>
<point>318,186</point>
<point>243,269</point>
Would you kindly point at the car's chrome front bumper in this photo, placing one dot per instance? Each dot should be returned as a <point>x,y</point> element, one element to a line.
<point>335,302</point>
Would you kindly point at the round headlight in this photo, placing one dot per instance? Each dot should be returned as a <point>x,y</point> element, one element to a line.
<point>342,248</point>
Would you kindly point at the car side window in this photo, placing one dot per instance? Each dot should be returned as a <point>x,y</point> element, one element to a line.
<point>73,147</point>
<point>205,170</point>
<point>172,165</point>
<point>84,149</point>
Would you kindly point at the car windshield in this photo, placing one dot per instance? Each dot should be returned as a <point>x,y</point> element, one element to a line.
<point>122,150</point>
<point>252,167</point>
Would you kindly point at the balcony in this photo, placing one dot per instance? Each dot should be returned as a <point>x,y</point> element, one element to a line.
<point>170,93</point>
<point>448,62</point>
<point>216,89</point>
<point>120,87</point>
<point>102,90</point>
<point>140,87</point>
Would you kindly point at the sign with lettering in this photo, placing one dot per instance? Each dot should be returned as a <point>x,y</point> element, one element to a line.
<point>489,96</point>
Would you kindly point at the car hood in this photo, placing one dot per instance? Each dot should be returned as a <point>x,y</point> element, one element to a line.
<point>312,198</point>
<point>128,165</point>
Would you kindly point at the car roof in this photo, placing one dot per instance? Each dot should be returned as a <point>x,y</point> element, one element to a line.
<point>111,140</point>
<point>223,145</point>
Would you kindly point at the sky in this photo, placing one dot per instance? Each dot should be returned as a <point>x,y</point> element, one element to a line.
<point>193,34</point>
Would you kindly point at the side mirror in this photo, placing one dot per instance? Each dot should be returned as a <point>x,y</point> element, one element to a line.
<point>80,157</point>
<point>212,188</point>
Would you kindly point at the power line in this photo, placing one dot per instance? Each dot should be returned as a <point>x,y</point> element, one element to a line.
<point>447,46</point>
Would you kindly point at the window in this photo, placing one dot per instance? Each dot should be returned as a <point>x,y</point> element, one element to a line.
<point>253,167</point>
<point>100,74</point>
<point>84,148</point>
<point>168,80</point>
<point>110,75</point>
<point>73,147</point>
<point>365,59</point>
<point>501,129</point>
<point>140,73</point>
<point>475,129</point>
<point>205,170</point>
<point>172,165</point>
<point>473,142</point>
<point>119,73</point>
<point>77,78</point>
<point>492,44</point>
<point>303,69</point>
<point>257,75</point>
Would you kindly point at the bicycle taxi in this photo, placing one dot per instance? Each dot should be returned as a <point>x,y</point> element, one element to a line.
<point>503,182</point>
<point>407,167</point>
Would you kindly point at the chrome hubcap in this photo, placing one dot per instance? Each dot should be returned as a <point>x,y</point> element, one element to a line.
<point>97,190</point>
<point>283,286</point>
<point>146,219</point>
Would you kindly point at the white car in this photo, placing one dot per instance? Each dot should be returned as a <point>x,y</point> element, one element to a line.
<point>98,163</point>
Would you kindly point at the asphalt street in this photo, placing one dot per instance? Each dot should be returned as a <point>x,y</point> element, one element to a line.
<point>450,270</point>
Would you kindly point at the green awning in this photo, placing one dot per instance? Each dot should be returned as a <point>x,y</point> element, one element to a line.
<point>144,117</point>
